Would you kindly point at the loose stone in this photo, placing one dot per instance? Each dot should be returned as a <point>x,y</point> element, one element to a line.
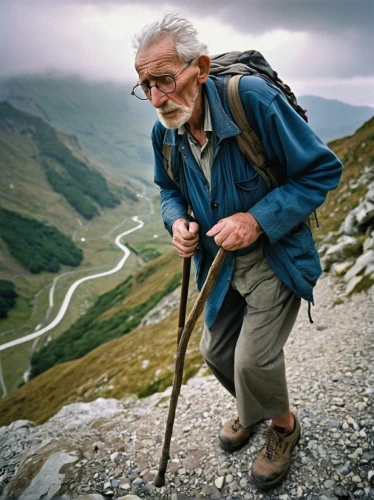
<point>137,482</point>
<point>219,482</point>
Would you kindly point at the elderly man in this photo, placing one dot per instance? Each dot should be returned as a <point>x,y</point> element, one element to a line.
<point>273,260</point>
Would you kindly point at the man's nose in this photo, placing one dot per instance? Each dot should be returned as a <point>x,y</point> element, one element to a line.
<point>158,98</point>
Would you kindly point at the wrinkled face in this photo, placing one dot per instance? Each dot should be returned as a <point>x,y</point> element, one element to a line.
<point>160,59</point>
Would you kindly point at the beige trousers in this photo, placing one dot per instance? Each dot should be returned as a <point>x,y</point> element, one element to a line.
<point>244,347</point>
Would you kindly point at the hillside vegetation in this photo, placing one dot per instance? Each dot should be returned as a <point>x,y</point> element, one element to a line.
<point>7,297</point>
<point>356,153</point>
<point>112,315</point>
<point>37,246</point>
<point>81,186</point>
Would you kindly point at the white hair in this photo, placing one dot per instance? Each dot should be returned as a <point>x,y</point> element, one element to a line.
<point>187,44</point>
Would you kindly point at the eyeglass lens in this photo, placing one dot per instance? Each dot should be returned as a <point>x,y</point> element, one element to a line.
<point>165,83</point>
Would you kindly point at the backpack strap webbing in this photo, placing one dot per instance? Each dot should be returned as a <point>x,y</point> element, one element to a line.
<point>248,142</point>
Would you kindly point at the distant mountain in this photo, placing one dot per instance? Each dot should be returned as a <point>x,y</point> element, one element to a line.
<point>332,119</point>
<point>110,124</point>
<point>83,187</point>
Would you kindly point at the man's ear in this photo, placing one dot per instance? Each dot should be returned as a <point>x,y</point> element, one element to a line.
<point>203,63</point>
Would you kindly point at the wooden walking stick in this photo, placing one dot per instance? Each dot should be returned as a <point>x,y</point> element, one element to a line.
<point>179,363</point>
<point>184,296</point>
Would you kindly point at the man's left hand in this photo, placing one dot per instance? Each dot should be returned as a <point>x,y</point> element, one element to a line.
<point>235,232</point>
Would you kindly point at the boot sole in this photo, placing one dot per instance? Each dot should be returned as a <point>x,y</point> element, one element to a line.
<point>279,479</point>
<point>233,447</point>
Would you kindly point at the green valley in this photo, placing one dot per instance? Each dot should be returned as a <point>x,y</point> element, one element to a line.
<point>30,150</point>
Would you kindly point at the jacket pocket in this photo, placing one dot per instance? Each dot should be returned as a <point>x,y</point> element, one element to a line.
<point>249,184</point>
<point>249,191</point>
<point>302,252</point>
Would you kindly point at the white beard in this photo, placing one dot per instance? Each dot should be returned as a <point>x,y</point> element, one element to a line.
<point>184,113</point>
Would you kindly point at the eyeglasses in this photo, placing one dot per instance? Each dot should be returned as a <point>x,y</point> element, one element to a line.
<point>164,83</point>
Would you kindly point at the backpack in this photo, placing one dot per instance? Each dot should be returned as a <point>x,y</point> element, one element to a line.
<point>234,65</point>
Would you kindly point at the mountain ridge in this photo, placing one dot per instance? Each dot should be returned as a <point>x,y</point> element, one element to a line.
<point>333,119</point>
<point>105,117</point>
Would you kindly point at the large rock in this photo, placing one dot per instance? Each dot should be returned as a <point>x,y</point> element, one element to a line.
<point>79,415</point>
<point>369,242</point>
<point>365,260</point>
<point>365,214</point>
<point>362,216</point>
<point>39,475</point>
<point>345,248</point>
<point>340,268</point>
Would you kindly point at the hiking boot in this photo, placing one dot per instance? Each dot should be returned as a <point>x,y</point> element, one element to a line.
<point>274,459</point>
<point>233,435</point>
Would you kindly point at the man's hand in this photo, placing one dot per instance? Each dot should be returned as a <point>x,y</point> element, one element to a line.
<point>185,237</point>
<point>237,231</point>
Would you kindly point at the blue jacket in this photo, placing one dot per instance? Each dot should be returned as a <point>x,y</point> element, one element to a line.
<point>312,170</point>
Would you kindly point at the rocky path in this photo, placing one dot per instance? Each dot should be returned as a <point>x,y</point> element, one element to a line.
<point>111,449</point>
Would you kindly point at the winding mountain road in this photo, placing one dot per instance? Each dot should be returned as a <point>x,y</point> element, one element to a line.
<point>75,285</point>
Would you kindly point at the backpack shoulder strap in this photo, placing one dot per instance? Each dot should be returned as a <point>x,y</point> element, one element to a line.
<point>248,141</point>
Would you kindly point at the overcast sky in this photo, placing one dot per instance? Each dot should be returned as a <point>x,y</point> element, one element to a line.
<point>320,47</point>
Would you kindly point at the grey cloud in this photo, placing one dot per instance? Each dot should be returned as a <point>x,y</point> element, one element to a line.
<point>341,30</point>
<point>340,33</point>
<point>257,16</point>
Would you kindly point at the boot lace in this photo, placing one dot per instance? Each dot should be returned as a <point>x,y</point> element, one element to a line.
<point>273,441</point>
<point>236,426</point>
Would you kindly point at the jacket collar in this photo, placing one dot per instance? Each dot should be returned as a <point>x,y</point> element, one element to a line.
<point>223,126</point>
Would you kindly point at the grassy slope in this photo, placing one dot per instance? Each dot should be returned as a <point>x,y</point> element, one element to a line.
<point>110,123</point>
<point>24,189</point>
<point>356,152</point>
<point>115,368</point>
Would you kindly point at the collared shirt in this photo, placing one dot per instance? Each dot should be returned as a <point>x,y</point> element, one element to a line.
<point>203,155</point>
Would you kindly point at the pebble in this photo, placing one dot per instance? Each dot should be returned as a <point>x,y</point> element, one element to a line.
<point>219,482</point>
<point>328,484</point>
<point>137,482</point>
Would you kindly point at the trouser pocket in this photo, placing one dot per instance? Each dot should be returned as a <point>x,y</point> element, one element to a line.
<point>257,282</point>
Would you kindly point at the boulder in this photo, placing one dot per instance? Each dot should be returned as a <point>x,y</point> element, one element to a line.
<point>40,474</point>
<point>353,285</point>
<point>369,242</point>
<point>365,214</point>
<point>346,247</point>
<point>366,259</point>
<point>340,268</point>
<point>349,226</point>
